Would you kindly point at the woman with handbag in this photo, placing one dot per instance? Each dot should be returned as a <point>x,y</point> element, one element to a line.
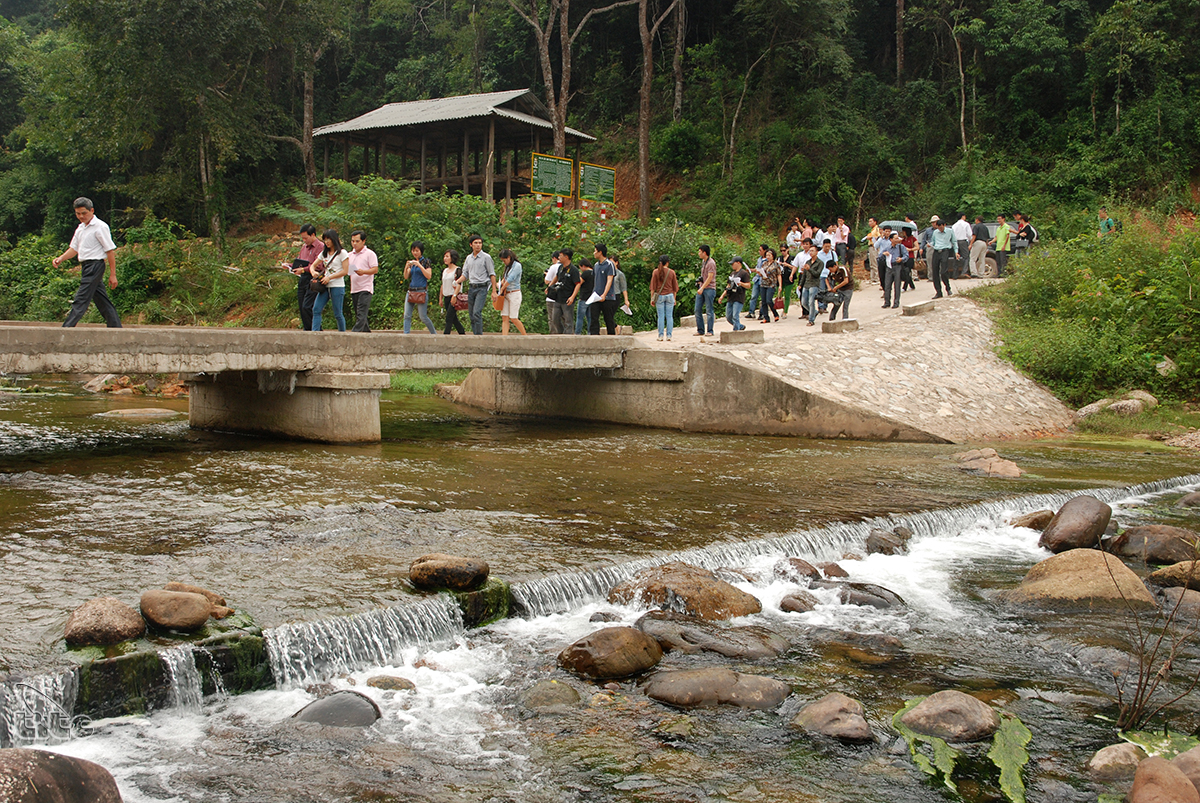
<point>453,298</point>
<point>770,280</point>
<point>329,276</point>
<point>510,291</point>
<point>664,285</point>
<point>418,271</point>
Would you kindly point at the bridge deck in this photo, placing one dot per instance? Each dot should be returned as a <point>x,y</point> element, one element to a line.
<point>29,349</point>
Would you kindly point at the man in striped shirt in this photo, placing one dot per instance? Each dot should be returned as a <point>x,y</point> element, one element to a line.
<point>93,244</point>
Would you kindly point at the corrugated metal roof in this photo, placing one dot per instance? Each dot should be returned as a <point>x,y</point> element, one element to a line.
<point>436,110</point>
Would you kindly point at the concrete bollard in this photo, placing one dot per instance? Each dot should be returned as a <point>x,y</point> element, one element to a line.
<point>843,325</point>
<point>917,309</point>
<point>743,336</point>
<point>687,322</point>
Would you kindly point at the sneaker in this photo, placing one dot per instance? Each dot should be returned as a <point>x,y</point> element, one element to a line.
<point>668,338</point>
<point>812,323</point>
<point>660,337</point>
<point>697,334</point>
<point>949,292</point>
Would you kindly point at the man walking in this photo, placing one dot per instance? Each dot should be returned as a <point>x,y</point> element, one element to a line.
<point>93,244</point>
<point>735,291</point>
<point>563,289</point>
<point>894,254</point>
<point>604,277</point>
<point>706,292</point>
<point>309,252</point>
<point>841,235</point>
<point>962,237</point>
<point>363,267</point>
<point>941,243</point>
<point>480,270</point>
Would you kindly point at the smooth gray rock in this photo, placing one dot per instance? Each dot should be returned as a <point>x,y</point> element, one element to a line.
<point>1036,520</point>
<point>953,716</point>
<point>837,716</point>
<point>1116,762</point>
<point>614,652</point>
<point>1185,574</point>
<point>867,594</point>
<point>342,709</point>
<point>690,634</point>
<point>884,542</point>
<point>706,688</point>
<point>1080,579</point>
<point>798,602</point>
<point>175,610</point>
<point>550,697</point>
<point>1189,764</point>
<point>1189,500</point>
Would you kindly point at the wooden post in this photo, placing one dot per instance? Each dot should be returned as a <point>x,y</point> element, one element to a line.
<point>403,158</point>
<point>575,178</point>
<point>508,171</point>
<point>366,159</point>
<point>466,159</point>
<point>383,158</point>
<point>489,164</point>
<point>423,156</point>
<point>346,159</point>
<point>327,158</point>
<point>442,163</point>
<point>537,141</point>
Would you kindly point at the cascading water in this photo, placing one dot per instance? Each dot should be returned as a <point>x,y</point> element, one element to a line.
<point>39,710</point>
<point>186,688</point>
<point>312,651</point>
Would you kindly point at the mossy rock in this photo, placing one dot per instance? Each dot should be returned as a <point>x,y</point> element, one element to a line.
<point>128,684</point>
<point>485,605</point>
<point>239,658</point>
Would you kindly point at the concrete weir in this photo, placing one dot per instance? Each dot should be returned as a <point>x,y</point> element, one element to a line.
<point>685,390</point>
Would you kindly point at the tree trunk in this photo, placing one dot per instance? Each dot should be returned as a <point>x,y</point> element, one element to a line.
<point>564,77</point>
<point>962,93</point>
<point>648,33</point>
<point>206,188</point>
<point>900,43</point>
<point>680,42</point>
<point>306,137</point>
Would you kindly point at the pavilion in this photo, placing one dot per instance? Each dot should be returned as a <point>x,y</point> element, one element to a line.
<point>452,143</point>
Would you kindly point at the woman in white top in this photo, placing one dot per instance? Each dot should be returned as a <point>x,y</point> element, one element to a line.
<point>510,288</point>
<point>329,274</point>
<point>452,280</point>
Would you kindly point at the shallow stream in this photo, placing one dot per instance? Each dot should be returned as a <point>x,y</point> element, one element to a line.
<point>97,505</point>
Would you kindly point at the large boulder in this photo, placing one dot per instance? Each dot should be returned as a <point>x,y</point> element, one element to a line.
<point>705,688</point>
<point>1189,500</point>
<point>1156,543</point>
<point>1183,601</point>
<point>1128,407</point>
<point>1116,762</point>
<point>1080,579</point>
<point>884,542</point>
<point>865,594</point>
<point>688,589</point>
<point>953,716</point>
<point>1035,520</point>
<point>213,597</point>
<point>39,776</point>
<point>342,709</point>
<point>1077,524</point>
<point>1189,764</point>
<point>175,610</point>
<point>437,571</point>
<point>690,634</point>
<point>1159,781</point>
<point>614,652</point>
<point>1093,408</point>
<point>103,621</point>
<point>1185,574</point>
<point>835,715</point>
<point>1145,398</point>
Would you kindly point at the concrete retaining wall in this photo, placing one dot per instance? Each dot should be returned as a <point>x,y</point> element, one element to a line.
<point>685,391</point>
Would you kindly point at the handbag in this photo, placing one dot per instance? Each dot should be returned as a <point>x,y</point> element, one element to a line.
<point>459,302</point>
<point>417,297</point>
<point>779,303</point>
<point>498,302</point>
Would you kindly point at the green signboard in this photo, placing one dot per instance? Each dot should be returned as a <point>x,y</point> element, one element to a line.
<point>552,175</point>
<point>597,183</point>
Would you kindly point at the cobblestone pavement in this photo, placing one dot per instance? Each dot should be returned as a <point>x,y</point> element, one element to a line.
<point>935,371</point>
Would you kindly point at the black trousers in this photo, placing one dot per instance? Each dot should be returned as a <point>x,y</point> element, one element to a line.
<point>91,288</point>
<point>942,258</point>
<point>452,321</point>
<point>606,308</point>
<point>305,295</point>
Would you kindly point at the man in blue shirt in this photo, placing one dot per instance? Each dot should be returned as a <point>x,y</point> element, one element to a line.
<point>604,272</point>
<point>942,243</point>
<point>894,253</point>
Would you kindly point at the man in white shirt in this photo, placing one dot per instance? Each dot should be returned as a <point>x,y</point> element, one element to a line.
<point>93,244</point>
<point>962,236</point>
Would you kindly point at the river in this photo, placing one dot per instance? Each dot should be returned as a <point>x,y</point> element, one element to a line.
<point>97,505</point>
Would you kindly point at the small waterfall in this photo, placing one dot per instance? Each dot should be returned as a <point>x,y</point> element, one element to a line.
<point>40,710</point>
<point>218,682</point>
<point>564,592</point>
<point>186,690</point>
<point>312,651</point>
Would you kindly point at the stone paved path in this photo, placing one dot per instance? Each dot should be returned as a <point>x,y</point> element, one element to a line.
<point>935,371</point>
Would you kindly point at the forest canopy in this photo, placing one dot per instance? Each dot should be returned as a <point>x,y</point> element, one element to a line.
<point>194,110</point>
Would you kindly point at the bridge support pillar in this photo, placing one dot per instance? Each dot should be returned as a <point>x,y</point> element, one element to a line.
<point>323,407</point>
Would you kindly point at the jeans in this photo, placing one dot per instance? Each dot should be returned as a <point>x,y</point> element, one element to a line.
<point>362,308</point>
<point>582,316</point>
<point>704,310</point>
<point>305,296</point>
<point>562,318</point>
<point>755,292</point>
<point>844,303</point>
<point>606,307</point>
<point>666,313</point>
<point>767,299</point>
<point>422,310</point>
<point>91,288</point>
<point>452,321</point>
<point>476,297</point>
<point>733,314</point>
<point>808,298</point>
<point>336,295</point>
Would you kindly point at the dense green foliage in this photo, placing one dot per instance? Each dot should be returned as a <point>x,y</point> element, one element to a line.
<point>1091,317</point>
<point>192,110</point>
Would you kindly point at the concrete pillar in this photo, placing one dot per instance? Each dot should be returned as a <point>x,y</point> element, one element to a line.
<point>327,408</point>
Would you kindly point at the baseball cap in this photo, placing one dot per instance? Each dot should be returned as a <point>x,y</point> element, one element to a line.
<point>736,259</point>
<point>934,219</point>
